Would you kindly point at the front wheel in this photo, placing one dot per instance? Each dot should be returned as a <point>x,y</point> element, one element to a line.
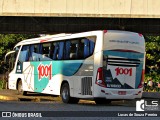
<point>20,89</point>
<point>65,94</point>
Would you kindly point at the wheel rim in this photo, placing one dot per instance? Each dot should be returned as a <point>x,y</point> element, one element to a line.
<point>65,93</point>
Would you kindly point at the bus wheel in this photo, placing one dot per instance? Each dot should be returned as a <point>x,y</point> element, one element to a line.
<point>65,94</point>
<point>20,89</point>
<point>102,101</point>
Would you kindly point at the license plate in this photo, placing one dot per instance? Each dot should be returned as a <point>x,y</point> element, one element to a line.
<point>122,92</point>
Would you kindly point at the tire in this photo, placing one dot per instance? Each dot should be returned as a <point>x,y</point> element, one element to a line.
<point>102,101</point>
<point>20,90</point>
<point>65,94</point>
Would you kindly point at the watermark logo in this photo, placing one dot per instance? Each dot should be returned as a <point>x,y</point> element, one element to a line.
<point>146,105</point>
<point>140,105</point>
<point>21,114</point>
<point>6,114</point>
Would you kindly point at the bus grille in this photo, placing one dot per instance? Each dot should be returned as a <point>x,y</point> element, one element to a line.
<point>86,85</point>
<point>123,62</point>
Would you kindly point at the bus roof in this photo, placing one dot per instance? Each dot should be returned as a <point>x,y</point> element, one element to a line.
<point>40,39</point>
<point>64,36</point>
<point>55,37</point>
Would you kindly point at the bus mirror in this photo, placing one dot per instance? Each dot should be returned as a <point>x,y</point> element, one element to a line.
<point>9,59</point>
<point>8,56</point>
<point>6,60</point>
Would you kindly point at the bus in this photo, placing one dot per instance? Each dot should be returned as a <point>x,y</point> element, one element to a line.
<point>102,65</point>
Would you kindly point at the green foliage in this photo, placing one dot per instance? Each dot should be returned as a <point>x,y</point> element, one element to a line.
<point>7,42</point>
<point>153,55</point>
<point>2,84</point>
<point>152,61</point>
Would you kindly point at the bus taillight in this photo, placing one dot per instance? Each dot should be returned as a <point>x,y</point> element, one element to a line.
<point>100,78</point>
<point>142,80</point>
<point>140,34</point>
<point>104,31</point>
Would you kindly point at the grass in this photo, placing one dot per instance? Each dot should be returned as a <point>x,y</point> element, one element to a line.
<point>2,84</point>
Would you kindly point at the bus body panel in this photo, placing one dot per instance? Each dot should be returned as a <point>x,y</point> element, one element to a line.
<point>13,79</point>
<point>123,64</point>
<point>81,74</point>
<point>47,76</point>
<point>122,69</point>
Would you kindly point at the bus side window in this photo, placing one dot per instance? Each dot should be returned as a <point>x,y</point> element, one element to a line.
<point>24,54</point>
<point>92,44</point>
<point>67,50</point>
<point>81,49</point>
<point>73,49</point>
<point>44,51</point>
<point>34,53</point>
<point>55,51</point>
<point>51,51</point>
<point>60,51</point>
<point>86,48</point>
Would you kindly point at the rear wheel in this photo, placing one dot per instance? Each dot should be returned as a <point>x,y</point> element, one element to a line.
<point>102,101</point>
<point>20,89</point>
<point>65,94</point>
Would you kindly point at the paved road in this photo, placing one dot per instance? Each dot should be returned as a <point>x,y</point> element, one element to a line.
<point>59,106</point>
<point>50,106</point>
<point>87,107</point>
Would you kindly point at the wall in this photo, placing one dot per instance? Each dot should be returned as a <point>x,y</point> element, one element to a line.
<point>81,8</point>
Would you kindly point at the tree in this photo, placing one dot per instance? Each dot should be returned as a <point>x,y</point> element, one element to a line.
<point>8,41</point>
<point>153,58</point>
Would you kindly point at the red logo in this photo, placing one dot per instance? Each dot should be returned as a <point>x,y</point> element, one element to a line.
<point>125,71</point>
<point>45,71</point>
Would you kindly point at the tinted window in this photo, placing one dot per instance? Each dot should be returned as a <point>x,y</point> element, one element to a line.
<point>80,48</point>
<point>24,54</point>
<point>34,53</point>
<point>44,51</point>
<point>72,49</point>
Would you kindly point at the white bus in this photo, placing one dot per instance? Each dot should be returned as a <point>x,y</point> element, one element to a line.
<point>99,65</point>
